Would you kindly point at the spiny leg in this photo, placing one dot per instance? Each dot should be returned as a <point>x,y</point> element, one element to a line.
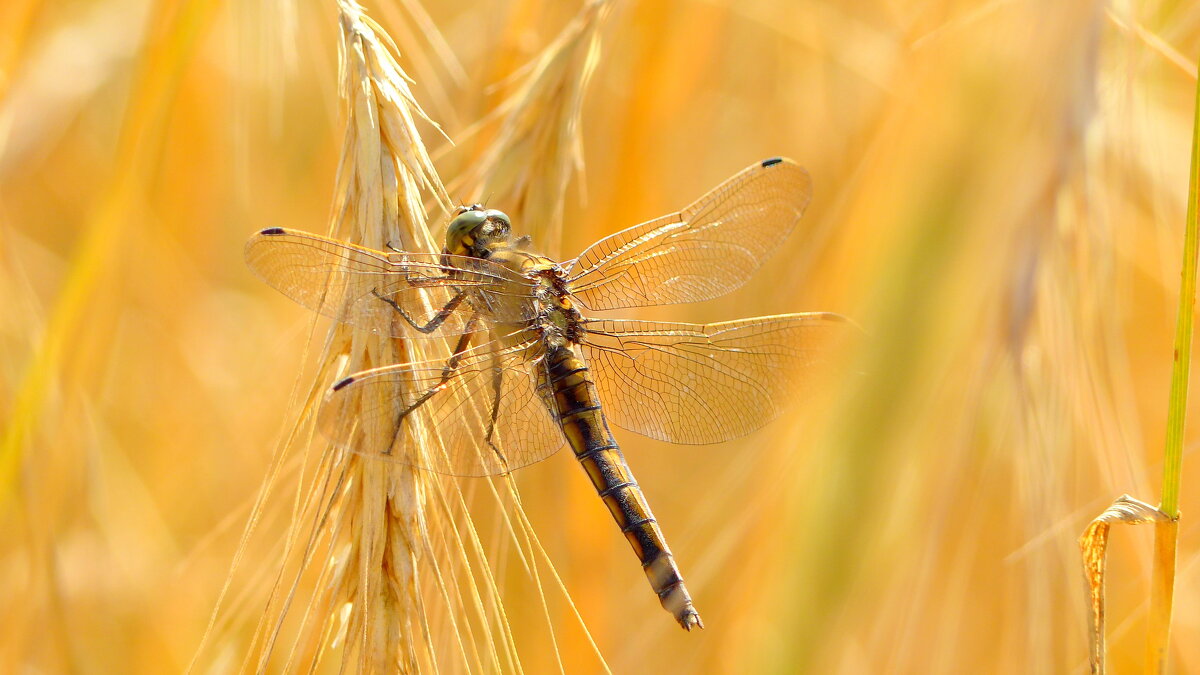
<point>460,348</point>
<point>437,320</point>
<point>464,341</point>
<point>497,384</point>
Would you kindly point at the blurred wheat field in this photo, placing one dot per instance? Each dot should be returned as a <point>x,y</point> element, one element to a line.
<point>999,201</point>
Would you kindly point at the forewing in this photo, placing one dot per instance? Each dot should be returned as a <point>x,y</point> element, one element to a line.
<point>701,252</point>
<point>486,418</point>
<point>364,287</point>
<point>706,383</point>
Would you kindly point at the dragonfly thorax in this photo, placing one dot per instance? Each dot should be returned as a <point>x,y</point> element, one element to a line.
<point>558,319</point>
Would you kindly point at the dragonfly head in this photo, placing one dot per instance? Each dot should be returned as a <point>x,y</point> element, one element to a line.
<point>476,229</point>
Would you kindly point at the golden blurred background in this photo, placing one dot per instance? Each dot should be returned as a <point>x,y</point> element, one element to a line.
<point>999,202</point>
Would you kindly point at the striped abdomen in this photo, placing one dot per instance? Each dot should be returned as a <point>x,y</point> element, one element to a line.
<point>583,423</point>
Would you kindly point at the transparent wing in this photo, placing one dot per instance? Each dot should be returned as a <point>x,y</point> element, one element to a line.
<point>486,410</point>
<point>706,383</point>
<point>365,288</point>
<point>701,252</point>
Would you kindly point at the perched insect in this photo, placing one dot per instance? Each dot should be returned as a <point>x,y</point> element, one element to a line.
<point>529,370</point>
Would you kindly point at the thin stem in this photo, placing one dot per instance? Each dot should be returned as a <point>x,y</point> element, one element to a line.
<point>1177,407</point>
<point>1166,533</point>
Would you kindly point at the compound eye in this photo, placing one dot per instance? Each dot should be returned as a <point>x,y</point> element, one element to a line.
<point>466,221</point>
<point>499,217</point>
<point>460,227</point>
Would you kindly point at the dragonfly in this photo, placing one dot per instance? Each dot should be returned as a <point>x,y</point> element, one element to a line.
<point>530,370</point>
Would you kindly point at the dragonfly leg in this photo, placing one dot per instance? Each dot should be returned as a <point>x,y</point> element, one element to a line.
<point>437,319</point>
<point>497,383</point>
<point>460,348</point>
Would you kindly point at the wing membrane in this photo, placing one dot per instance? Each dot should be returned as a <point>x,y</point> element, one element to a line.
<point>364,287</point>
<point>702,252</point>
<point>705,383</point>
<point>488,414</point>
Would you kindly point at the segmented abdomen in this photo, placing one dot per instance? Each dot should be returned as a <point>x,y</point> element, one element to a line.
<point>582,420</point>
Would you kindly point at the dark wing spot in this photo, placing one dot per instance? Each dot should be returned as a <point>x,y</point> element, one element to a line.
<point>273,230</point>
<point>343,383</point>
<point>771,162</point>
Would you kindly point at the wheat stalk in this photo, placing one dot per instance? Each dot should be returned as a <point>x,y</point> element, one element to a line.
<point>366,518</point>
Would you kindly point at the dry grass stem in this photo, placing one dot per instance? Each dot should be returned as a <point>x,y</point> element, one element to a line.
<point>365,524</point>
<point>1093,544</point>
